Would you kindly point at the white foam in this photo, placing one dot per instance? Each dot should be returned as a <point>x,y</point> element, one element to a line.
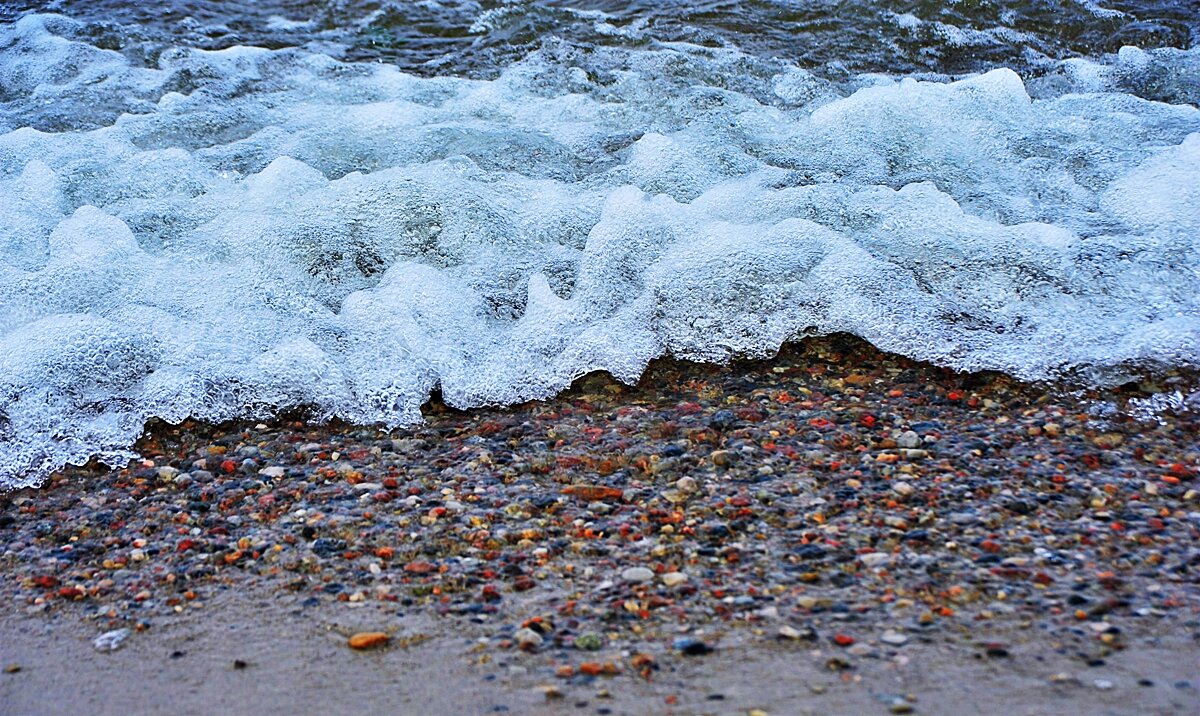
<point>275,229</point>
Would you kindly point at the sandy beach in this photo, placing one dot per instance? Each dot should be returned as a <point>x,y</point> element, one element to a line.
<point>832,530</point>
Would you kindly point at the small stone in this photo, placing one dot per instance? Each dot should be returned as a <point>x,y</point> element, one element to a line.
<point>593,493</point>
<point>637,574</point>
<point>903,489</point>
<point>686,484</point>
<point>589,641</point>
<point>12,668</point>
<point>551,692</point>
<point>722,420</point>
<point>790,632</point>
<point>893,638</point>
<point>900,706</point>
<point>908,439</point>
<point>871,560</point>
<point>1103,684</point>
<point>111,640</point>
<point>691,647</point>
<point>837,663</point>
<point>528,639</point>
<point>369,640</point>
<point>673,579</point>
<point>721,458</point>
<point>675,497</point>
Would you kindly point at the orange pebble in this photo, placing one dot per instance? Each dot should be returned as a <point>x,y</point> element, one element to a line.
<point>369,640</point>
<point>591,668</point>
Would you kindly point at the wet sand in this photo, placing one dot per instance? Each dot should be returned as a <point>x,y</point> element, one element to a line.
<point>832,530</point>
<point>297,663</point>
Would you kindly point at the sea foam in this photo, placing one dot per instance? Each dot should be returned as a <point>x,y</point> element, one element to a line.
<point>226,234</point>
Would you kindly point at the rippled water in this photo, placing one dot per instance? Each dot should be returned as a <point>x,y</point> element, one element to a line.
<point>478,38</point>
<point>346,206</point>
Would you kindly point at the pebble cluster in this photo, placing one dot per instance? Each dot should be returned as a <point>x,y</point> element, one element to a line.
<point>832,494</point>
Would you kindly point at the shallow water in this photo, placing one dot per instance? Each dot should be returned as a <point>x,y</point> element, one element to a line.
<point>349,205</point>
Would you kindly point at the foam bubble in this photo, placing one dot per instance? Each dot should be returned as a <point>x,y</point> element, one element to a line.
<point>241,231</point>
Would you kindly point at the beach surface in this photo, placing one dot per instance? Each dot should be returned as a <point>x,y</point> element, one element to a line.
<point>830,530</point>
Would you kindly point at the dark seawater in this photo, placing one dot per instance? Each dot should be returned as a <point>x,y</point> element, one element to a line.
<point>476,39</point>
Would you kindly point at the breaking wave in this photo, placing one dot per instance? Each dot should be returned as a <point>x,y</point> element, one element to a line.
<point>227,233</point>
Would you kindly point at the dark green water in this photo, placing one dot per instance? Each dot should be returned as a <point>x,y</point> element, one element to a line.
<point>478,38</point>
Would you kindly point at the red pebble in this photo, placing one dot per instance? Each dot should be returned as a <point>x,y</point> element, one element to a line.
<point>843,639</point>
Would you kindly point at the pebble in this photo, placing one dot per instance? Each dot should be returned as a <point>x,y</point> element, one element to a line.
<point>871,560</point>
<point>691,647</point>
<point>909,440</point>
<point>528,639</point>
<point>111,640</point>
<point>12,668</point>
<point>589,641</point>
<point>893,638</point>
<point>673,579</point>
<point>369,640</point>
<point>637,574</point>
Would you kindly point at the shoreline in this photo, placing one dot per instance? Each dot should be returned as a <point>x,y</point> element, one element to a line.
<point>856,520</point>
